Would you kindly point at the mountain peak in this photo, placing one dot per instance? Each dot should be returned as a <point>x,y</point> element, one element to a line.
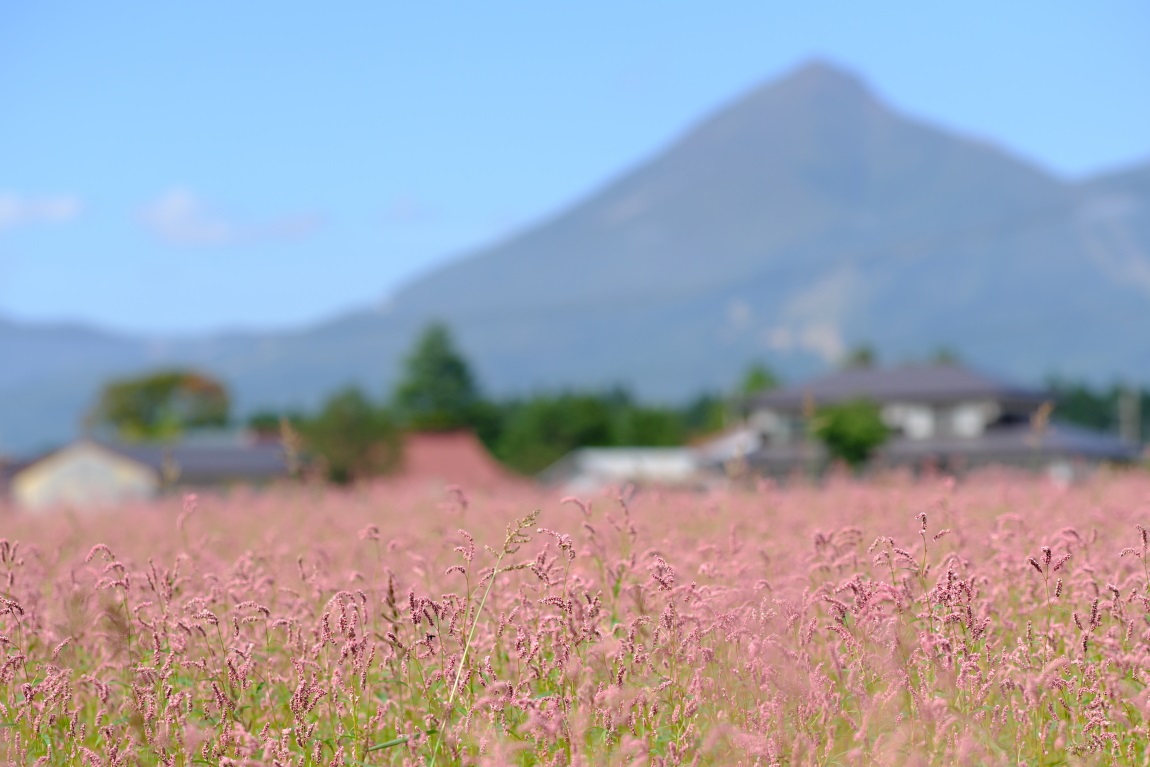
<point>821,75</point>
<point>815,99</point>
<point>814,83</point>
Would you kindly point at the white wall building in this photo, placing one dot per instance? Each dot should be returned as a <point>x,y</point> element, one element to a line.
<point>940,414</point>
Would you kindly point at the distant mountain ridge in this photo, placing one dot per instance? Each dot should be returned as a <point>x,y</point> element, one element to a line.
<point>802,219</point>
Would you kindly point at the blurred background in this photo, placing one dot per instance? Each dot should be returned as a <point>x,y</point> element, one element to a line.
<point>647,205</point>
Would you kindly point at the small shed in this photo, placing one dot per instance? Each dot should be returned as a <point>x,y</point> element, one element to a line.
<point>591,469</point>
<point>83,474</point>
<point>96,473</point>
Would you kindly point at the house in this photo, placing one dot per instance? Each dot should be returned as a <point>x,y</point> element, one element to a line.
<point>451,458</point>
<point>591,469</point>
<point>942,415</point>
<point>99,473</point>
<point>8,469</point>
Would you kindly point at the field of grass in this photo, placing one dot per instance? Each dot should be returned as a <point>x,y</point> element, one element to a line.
<point>997,620</point>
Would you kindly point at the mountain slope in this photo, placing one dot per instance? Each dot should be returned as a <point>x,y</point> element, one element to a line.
<point>811,164</point>
<point>802,219</point>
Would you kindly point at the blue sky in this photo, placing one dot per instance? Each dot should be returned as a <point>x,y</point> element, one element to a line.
<point>172,168</point>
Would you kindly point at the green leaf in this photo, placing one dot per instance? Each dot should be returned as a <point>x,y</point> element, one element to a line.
<point>388,743</point>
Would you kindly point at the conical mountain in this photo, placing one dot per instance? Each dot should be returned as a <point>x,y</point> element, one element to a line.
<point>809,164</point>
<point>804,218</point>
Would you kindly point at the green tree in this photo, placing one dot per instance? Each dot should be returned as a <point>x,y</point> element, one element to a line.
<point>544,428</point>
<point>647,426</point>
<point>851,431</point>
<point>758,379</point>
<point>1095,407</point>
<point>437,391</point>
<point>705,414</point>
<point>161,405</point>
<point>352,438</point>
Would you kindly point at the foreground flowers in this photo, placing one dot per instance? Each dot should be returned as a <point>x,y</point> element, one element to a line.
<point>1002,620</point>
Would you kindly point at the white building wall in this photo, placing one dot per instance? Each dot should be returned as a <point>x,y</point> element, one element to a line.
<point>913,420</point>
<point>922,421</point>
<point>83,475</point>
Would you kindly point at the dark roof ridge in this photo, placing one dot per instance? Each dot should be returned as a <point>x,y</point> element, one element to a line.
<point>915,381</point>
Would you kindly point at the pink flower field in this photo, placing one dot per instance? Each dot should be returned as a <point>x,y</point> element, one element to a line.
<point>1001,619</point>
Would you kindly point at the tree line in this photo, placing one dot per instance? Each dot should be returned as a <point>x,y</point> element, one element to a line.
<point>353,435</point>
<point>1101,408</point>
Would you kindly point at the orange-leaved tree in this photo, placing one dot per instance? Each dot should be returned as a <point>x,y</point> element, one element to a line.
<point>161,405</point>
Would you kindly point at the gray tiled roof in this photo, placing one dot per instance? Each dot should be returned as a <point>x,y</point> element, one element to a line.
<point>210,462</point>
<point>916,383</point>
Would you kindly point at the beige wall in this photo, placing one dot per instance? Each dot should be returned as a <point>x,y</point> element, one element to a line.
<point>83,474</point>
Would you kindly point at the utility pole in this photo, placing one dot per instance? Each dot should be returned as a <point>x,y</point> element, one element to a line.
<point>1130,415</point>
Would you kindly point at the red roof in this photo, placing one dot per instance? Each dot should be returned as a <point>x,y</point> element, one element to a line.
<point>452,458</point>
